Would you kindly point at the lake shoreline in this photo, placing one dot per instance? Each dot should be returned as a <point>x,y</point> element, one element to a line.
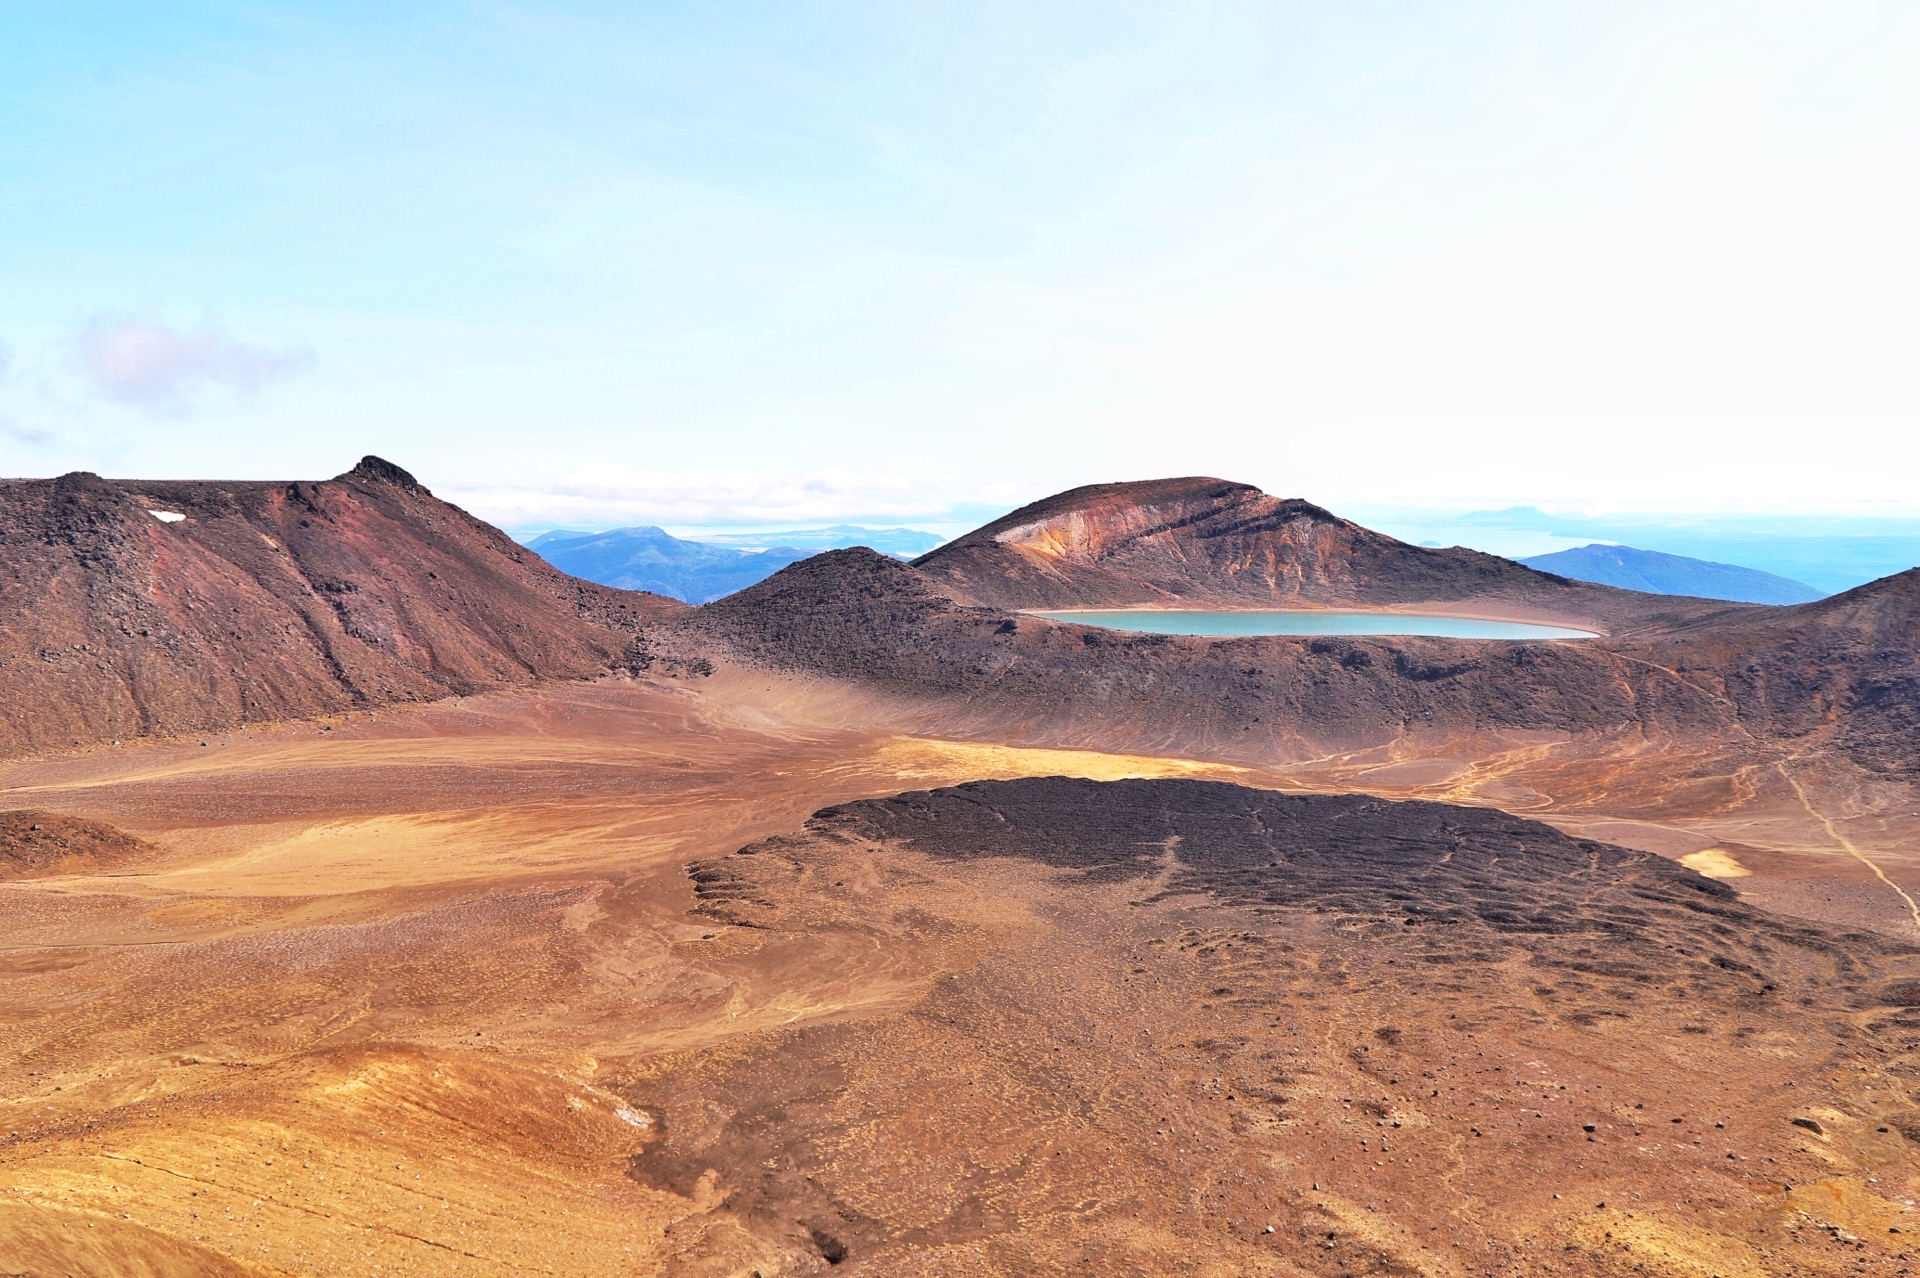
<point>1228,623</point>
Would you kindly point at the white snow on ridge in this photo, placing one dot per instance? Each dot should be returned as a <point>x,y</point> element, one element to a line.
<point>167,516</point>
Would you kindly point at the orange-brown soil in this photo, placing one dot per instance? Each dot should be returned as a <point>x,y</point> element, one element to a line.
<point>433,990</point>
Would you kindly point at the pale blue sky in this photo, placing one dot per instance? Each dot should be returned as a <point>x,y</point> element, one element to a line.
<point>703,263</point>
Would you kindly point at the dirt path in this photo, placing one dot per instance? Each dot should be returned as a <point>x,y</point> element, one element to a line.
<point>1833,832</point>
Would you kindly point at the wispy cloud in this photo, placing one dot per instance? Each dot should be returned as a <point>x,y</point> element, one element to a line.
<point>24,436</point>
<point>11,431</point>
<point>151,364</point>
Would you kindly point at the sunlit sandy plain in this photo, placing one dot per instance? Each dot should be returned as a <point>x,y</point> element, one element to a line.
<point>424,991</point>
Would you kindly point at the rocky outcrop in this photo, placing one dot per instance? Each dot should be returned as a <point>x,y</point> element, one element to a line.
<point>37,844</point>
<point>1414,863</point>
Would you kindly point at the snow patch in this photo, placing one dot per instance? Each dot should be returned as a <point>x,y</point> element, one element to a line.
<point>167,516</point>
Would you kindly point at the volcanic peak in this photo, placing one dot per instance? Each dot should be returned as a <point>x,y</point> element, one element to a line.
<point>1098,518</point>
<point>154,607</point>
<point>380,470</point>
<point>1205,542</point>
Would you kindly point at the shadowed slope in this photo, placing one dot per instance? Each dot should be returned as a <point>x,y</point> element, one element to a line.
<point>268,601</point>
<point>1842,673</point>
<point>856,615</point>
<point>1843,670</point>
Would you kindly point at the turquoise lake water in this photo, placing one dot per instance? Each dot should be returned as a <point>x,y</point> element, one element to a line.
<point>1153,621</point>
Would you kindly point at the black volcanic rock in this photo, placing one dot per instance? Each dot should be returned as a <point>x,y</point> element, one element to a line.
<point>380,470</point>
<point>1328,1013</point>
<point>1316,851</point>
<point>1421,865</point>
<point>33,844</point>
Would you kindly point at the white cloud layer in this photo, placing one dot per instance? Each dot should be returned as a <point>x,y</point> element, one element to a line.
<point>151,364</point>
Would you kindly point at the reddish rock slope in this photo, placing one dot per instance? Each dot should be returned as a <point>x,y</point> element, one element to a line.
<point>271,601</point>
<point>1168,542</point>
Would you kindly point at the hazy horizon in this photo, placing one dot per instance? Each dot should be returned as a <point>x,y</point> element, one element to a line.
<point>1830,553</point>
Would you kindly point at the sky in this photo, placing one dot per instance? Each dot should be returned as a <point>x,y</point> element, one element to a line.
<point>720,263</point>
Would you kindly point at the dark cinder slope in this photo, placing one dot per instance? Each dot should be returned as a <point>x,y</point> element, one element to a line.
<point>271,601</point>
<point>1839,674</point>
<point>1433,862</point>
<point>1844,670</point>
<point>1664,574</point>
<point>1211,542</point>
<point>1182,1027</point>
<point>859,616</point>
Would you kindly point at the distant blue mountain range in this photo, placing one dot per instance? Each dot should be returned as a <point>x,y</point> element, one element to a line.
<point>701,571</point>
<point>1829,552</point>
<point>1664,574</point>
<point>902,543</point>
<point>652,559</point>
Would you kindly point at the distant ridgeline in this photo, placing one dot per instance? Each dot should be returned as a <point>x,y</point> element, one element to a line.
<point>701,571</point>
<point>1664,574</point>
<point>1830,553</point>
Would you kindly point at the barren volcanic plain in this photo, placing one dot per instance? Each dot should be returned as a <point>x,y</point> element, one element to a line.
<point>485,922</point>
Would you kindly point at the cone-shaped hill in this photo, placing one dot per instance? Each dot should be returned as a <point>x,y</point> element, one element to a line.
<point>1203,542</point>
